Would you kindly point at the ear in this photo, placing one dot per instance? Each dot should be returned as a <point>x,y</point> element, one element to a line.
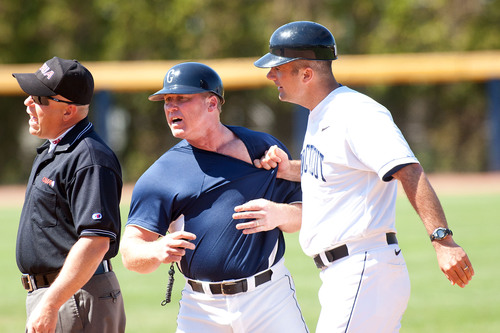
<point>212,101</point>
<point>307,74</point>
<point>69,112</point>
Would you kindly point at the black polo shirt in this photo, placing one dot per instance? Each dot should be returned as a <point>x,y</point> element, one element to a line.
<point>73,191</point>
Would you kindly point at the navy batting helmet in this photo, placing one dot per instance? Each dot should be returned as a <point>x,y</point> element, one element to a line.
<point>190,78</point>
<point>299,40</point>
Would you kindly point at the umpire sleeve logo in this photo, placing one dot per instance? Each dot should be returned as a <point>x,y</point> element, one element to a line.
<point>96,216</point>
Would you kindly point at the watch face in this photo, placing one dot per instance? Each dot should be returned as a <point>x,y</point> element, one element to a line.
<point>440,233</point>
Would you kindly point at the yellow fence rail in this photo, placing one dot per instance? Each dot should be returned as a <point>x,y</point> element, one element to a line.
<point>240,73</point>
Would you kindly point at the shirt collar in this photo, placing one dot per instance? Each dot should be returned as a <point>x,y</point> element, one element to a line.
<point>69,137</point>
<point>54,142</point>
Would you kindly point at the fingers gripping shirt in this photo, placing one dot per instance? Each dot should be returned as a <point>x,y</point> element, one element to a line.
<point>205,187</point>
<point>350,147</point>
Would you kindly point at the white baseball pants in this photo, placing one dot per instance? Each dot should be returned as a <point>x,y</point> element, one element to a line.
<point>270,307</point>
<point>367,291</point>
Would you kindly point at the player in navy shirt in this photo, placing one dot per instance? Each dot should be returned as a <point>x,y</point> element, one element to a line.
<point>204,205</point>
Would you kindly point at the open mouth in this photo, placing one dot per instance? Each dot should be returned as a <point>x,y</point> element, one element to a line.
<point>33,120</point>
<point>176,120</point>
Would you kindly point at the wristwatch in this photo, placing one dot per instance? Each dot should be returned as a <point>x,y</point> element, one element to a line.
<point>440,234</point>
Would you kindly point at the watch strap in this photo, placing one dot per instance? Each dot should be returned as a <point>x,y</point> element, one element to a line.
<point>446,233</point>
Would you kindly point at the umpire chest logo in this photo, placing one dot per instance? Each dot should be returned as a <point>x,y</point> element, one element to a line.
<point>312,162</point>
<point>48,181</point>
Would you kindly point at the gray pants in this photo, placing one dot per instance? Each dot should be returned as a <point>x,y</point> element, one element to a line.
<point>97,307</point>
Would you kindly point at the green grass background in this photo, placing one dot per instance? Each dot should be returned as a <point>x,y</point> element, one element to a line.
<point>435,305</point>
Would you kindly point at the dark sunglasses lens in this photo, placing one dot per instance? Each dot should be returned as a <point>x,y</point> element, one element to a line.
<point>41,100</point>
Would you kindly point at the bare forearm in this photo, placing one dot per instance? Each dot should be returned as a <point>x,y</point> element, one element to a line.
<point>79,266</point>
<point>452,259</point>
<point>143,251</point>
<point>137,255</point>
<point>293,172</point>
<point>292,217</point>
<point>422,197</point>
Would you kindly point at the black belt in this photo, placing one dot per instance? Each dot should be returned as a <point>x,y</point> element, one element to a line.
<point>233,287</point>
<point>36,281</point>
<point>342,251</point>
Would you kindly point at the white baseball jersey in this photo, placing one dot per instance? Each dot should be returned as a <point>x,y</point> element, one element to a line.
<point>350,150</point>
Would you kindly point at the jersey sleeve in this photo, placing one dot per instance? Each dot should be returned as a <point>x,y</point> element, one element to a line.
<point>149,207</point>
<point>95,198</point>
<point>377,142</point>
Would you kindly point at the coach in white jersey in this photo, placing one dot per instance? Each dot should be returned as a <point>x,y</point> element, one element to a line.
<point>352,154</point>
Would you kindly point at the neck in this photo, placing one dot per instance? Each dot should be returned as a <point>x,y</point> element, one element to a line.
<point>213,139</point>
<point>321,94</point>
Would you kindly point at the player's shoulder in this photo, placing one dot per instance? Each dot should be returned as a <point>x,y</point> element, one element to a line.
<point>173,159</point>
<point>348,95</point>
<point>155,180</point>
<point>256,142</point>
<point>90,150</point>
<point>359,105</point>
<point>246,133</point>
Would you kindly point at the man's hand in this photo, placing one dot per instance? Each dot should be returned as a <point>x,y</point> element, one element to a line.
<point>271,158</point>
<point>172,247</point>
<point>143,251</point>
<point>43,319</point>
<point>267,215</point>
<point>454,262</point>
<point>452,259</point>
<point>276,157</point>
<point>79,266</point>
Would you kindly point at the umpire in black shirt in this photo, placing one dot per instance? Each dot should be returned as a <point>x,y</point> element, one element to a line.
<point>70,222</point>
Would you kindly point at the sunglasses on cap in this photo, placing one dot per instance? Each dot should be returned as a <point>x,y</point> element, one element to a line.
<point>44,100</point>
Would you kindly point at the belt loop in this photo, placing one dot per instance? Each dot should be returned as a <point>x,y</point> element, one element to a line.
<point>251,284</point>
<point>32,283</point>
<point>105,265</point>
<point>391,238</point>
<point>206,288</point>
<point>323,258</point>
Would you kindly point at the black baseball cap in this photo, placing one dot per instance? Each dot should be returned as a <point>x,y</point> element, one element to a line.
<point>57,76</point>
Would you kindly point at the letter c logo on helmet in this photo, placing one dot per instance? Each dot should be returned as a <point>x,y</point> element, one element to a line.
<point>299,40</point>
<point>170,75</point>
<point>190,78</point>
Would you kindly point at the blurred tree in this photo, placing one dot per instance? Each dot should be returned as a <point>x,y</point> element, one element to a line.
<point>443,123</point>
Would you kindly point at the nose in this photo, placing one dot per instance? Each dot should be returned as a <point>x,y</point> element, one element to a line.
<point>271,75</point>
<point>169,106</point>
<point>29,101</point>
